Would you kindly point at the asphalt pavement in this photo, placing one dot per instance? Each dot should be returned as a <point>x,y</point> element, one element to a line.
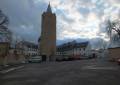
<point>81,72</point>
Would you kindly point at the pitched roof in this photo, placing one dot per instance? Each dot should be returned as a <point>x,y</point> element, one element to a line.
<point>75,44</point>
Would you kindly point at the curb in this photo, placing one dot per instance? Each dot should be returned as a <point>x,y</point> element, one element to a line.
<point>11,69</point>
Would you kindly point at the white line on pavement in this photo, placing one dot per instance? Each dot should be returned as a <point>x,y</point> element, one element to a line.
<point>99,68</point>
<point>11,69</point>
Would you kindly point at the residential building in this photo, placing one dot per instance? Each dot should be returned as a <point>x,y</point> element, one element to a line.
<point>73,49</point>
<point>5,41</point>
<point>114,53</point>
<point>29,49</point>
<point>4,50</point>
<point>15,56</point>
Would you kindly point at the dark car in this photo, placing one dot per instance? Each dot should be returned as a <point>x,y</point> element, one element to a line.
<point>118,61</point>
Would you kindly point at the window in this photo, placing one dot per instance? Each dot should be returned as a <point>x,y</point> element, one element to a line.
<point>83,48</point>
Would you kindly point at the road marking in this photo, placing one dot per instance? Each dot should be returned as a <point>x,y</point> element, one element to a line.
<point>99,68</point>
<point>11,69</point>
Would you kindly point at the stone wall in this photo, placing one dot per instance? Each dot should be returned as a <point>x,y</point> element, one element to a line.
<point>114,53</point>
<point>4,49</point>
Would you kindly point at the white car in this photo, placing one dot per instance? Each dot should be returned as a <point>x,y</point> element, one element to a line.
<point>35,59</point>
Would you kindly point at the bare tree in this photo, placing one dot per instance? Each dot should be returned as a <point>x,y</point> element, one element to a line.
<point>3,19</point>
<point>113,30</point>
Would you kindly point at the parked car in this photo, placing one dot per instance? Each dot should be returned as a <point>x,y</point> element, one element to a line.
<point>118,61</point>
<point>35,59</point>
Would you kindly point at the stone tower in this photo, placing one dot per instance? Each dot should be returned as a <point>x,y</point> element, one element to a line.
<point>48,35</point>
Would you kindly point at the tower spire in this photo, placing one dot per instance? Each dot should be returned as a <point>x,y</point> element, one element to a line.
<point>49,8</point>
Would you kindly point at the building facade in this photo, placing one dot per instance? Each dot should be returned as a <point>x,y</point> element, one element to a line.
<point>5,41</point>
<point>73,50</point>
<point>47,43</point>
<point>114,53</point>
<point>28,49</point>
<point>15,56</point>
<point>4,50</point>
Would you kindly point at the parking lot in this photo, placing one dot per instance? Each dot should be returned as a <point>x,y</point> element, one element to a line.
<point>80,72</point>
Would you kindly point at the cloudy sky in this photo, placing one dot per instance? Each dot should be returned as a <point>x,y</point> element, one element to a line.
<point>76,19</point>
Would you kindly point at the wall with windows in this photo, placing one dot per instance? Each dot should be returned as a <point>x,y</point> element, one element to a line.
<point>74,49</point>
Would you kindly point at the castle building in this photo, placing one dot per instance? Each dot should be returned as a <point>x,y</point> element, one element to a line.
<point>47,41</point>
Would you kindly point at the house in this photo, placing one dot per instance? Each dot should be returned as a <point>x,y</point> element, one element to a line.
<point>4,50</point>
<point>73,50</point>
<point>15,56</point>
<point>28,49</point>
<point>5,41</point>
<point>114,53</point>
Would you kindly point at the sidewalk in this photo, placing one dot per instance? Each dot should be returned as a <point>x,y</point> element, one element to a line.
<point>8,68</point>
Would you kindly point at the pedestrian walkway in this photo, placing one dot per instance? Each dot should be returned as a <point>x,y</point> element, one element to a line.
<point>8,68</point>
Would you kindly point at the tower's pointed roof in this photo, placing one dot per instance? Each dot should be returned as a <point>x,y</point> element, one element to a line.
<point>49,8</point>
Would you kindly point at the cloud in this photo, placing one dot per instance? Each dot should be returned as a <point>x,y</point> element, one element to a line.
<point>24,18</point>
<point>84,11</point>
<point>75,18</point>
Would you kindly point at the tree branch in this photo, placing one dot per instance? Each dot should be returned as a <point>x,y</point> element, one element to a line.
<point>4,21</point>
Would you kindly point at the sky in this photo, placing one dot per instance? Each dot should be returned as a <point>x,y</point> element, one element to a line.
<point>76,19</point>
